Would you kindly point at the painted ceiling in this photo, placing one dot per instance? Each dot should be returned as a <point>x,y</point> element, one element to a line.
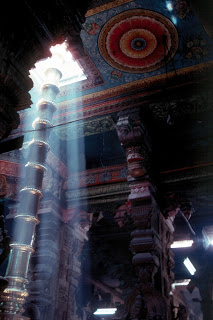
<point>130,41</point>
<point>129,46</point>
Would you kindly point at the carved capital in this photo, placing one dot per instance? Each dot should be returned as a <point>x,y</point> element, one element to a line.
<point>135,153</point>
<point>129,129</point>
<point>136,157</point>
<point>140,190</point>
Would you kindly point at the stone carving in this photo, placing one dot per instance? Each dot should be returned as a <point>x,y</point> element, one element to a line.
<point>92,192</point>
<point>140,190</point>
<point>172,203</point>
<point>136,157</point>
<point>86,128</point>
<point>52,184</point>
<point>145,302</point>
<point>129,129</point>
<point>123,213</point>
<point>135,142</point>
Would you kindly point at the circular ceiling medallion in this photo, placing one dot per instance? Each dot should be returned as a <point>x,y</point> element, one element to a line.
<point>138,41</point>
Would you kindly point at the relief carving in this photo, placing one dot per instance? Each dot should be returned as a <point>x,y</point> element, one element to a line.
<point>145,302</point>
<point>136,156</point>
<point>129,130</point>
<point>123,213</point>
<point>140,190</point>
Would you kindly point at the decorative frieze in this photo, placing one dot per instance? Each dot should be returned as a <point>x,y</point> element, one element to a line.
<point>97,192</point>
<point>85,128</point>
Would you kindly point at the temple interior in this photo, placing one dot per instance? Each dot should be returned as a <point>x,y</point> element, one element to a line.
<point>106,160</point>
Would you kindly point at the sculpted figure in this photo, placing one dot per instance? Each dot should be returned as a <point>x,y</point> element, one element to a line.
<point>145,302</point>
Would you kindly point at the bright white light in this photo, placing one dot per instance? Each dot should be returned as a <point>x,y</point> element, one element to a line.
<point>189,266</point>
<point>61,49</point>
<point>169,5</point>
<point>182,244</point>
<point>184,282</point>
<point>105,311</point>
<point>208,235</point>
<point>174,19</point>
<point>61,59</point>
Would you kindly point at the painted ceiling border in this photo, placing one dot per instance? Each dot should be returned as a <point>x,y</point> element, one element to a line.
<point>138,84</point>
<point>123,96</point>
<point>105,7</point>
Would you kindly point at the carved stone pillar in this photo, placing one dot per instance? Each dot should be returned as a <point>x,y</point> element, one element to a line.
<point>15,294</point>
<point>72,239</point>
<point>55,265</point>
<point>150,299</point>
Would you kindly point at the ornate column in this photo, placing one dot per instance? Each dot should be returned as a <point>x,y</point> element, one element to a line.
<point>15,294</point>
<point>150,299</point>
<point>73,237</point>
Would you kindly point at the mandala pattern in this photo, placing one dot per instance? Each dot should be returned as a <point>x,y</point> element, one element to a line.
<point>138,41</point>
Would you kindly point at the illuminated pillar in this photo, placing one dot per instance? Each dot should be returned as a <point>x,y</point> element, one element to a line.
<point>15,294</point>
